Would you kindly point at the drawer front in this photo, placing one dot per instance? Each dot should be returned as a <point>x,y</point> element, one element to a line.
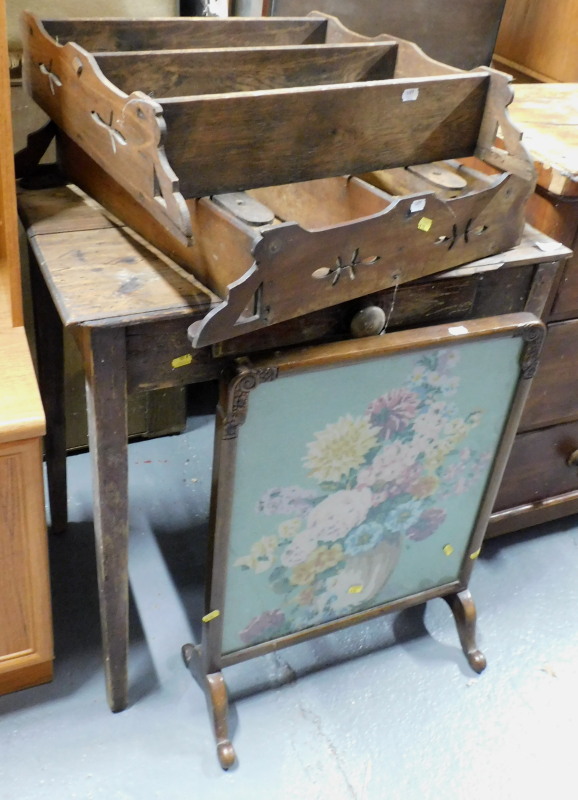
<point>159,355</point>
<point>538,466</point>
<point>554,394</point>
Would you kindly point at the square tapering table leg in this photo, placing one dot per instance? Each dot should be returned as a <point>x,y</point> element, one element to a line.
<point>105,364</point>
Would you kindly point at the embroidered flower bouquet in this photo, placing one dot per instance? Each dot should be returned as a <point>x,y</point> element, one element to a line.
<point>381,480</point>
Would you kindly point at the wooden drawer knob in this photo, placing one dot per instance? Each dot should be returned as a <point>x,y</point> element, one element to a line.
<point>369,321</point>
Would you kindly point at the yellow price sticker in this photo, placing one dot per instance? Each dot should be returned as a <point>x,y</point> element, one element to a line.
<point>355,589</point>
<point>182,361</point>
<point>425,224</point>
<point>211,616</point>
<point>473,556</point>
<point>448,549</point>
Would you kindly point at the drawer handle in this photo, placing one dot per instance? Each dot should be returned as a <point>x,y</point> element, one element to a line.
<point>572,459</point>
<point>369,321</point>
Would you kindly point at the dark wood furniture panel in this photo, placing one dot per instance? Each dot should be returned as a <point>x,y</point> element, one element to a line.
<point>159,356</point>
<point>566,303</point>
<point>555,391</point>
<point>543,463</point>
<point>444,29</point>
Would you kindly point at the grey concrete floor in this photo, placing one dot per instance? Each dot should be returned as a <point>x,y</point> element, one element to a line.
<point>387,710</point>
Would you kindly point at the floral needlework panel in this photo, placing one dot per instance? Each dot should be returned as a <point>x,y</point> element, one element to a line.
<point>360,484</point>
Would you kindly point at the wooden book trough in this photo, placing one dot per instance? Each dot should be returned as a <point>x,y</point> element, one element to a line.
<point>288,163</point>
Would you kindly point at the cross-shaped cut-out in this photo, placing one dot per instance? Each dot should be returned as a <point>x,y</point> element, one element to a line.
<point>339,268</point>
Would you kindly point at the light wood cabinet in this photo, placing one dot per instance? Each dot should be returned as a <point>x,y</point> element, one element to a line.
<point>25,615</point>
<point>539,39</point>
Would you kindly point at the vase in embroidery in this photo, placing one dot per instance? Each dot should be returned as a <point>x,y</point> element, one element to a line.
<point>363,576</point>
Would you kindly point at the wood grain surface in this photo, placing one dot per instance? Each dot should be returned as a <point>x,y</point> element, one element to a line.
<point>26,630</point>
<point>293,135</point>
<point>547,114</point>
<point>107,273</point>
<point>173,73</point>
<point>112,33</point>
<point>540,38</point>
<point>21,414</point>
<point>462,34</point>
<point>538,467</point>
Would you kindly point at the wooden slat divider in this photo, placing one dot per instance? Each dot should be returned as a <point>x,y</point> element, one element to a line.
<point>170,73</point>
<point>184,32</point>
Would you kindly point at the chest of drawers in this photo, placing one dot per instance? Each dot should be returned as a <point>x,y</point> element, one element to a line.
<point>541,480</point>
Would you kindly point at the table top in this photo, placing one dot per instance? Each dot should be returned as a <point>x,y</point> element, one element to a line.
<point>101,273</point>
<point>547,114</point>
